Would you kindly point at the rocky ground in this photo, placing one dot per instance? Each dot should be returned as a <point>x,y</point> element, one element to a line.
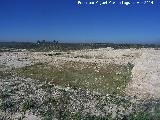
<point>25,98</point>
<point>146,76</point>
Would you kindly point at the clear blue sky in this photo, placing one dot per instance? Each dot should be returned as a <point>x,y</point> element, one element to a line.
<point>66,21</point>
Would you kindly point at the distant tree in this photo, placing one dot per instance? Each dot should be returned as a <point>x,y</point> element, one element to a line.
<point>38,42</point>
<point>54,41</point>
<point>43,41</point>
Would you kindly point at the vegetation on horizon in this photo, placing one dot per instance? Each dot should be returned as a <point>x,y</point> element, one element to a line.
<point>55,45</point>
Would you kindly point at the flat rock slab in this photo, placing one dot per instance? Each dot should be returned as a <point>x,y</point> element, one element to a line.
<point>145,82</point>
<point>10,60</point>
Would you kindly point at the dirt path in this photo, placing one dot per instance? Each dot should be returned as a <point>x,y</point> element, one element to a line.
<point>146,76</point>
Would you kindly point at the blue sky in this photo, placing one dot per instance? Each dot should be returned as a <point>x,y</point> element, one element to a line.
<point>66,21</point>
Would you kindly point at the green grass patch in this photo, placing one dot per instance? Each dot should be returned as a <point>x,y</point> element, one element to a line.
<point>110,78</point>
<point>6,73</point>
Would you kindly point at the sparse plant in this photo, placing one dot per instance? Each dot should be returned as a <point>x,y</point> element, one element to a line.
<point>28,105</point>
<point>130,66</point>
